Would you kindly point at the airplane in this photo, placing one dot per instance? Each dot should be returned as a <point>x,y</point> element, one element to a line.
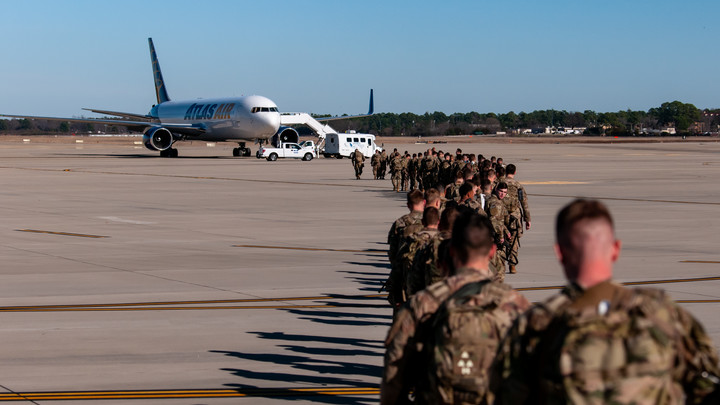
<point>235,119</point>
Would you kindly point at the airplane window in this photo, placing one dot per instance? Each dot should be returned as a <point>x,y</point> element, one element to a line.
<point>254,110</point>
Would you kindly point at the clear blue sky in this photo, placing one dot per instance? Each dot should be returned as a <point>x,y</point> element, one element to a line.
<point>324,56</point>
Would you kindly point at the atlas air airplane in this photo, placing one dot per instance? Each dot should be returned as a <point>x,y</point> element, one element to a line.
<point>236,119</point>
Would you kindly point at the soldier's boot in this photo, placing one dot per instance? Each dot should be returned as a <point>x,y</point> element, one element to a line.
<point>512,269</point>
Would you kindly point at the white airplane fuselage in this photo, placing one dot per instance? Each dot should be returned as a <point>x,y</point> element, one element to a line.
<point>224,119</point>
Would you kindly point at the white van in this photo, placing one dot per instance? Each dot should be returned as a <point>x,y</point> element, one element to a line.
<point>342,145</point>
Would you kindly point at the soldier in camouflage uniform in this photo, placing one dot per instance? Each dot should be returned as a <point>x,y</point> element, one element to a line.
<point>375,163</point>
<point>517,206</point>
<point>358,161</point>
<point>405,172</point>
<point>416,205</point>
<point>467,199</point>
<point>500,218</point>
<point>406,362</point>
<point>383,164</point>
<point>598,342</point>
<point>396,167</point>
<point>414,242</point>
<point>412,171</point>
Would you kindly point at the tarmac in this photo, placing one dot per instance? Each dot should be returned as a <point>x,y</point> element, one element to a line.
<point>207,278</point>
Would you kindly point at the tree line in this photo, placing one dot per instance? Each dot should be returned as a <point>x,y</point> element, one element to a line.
<point>685,118</point>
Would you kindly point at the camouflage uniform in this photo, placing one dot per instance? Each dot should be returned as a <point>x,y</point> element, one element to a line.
<point>383,164</point>
<point>393,285</point>
<point>446,172</point>
<point>408,251</point>
<point>495,210</point>
<point>426,270</point>
<point>403,347</point>
<point>358,161</point>
<point>375,163</point>
<point>430,165</point>
<point>474,205</point>
<point>516,209</point>
<point>405,173</point>
<point>413,172</point>
<point>396,167</point>
<point>606,345</point>
<point>453,192</point>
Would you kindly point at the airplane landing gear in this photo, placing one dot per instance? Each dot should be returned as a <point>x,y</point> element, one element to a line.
<point>242,150</point>
<point>169,153</point>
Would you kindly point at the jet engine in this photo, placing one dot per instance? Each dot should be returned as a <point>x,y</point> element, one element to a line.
<point>158,138</point>
<point>284,135</point>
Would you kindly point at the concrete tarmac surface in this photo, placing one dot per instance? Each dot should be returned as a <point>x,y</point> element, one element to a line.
<point>206,278</point>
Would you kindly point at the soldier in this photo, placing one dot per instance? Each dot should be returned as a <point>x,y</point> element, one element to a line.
<point>413,243</point>
<point>383,164</point>
<point>467,199</point>
<point>500,219</point>
<point>446,170</point>
<point>358,161</point>
<point>405,172</point>
<point>411,357</point>
<point>412,171</point>
<point>598,342</point>
<point>517,206</point>
<point>396,167</point>
<point>375,163</point>
<point>452,192</point>
<point>416,205</point>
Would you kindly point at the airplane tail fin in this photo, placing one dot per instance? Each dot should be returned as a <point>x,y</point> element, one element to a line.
<point>160,90</point>
<point>372,104</point>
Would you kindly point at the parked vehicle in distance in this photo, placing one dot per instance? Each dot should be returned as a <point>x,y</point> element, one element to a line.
<point>342,145</point>
<point>304,151</point>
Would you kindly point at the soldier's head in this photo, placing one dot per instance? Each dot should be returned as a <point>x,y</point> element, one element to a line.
<point>500,161</point>
<point>585,242</point>
<point>415,200</point>
<point>448,217</point>
<point>500,171</point>
<point>459,177</point>
<point>431,217</point>
<point>486,186</point>
<point>433,198</point>
<point>467,190</point>
<point>472,243</point>
<point>491,175</point>
<point>501,190</point>
<point>510,169</point>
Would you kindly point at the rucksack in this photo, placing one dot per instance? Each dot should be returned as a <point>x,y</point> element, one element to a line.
<point>624,350</point>
<point>461,340</point>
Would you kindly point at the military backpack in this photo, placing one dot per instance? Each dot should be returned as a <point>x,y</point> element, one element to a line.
<point>461,340</point>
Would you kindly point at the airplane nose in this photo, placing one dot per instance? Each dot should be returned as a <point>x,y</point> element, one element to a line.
<point>270,123</point>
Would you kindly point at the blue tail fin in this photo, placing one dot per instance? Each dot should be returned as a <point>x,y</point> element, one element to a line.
<point>372,103</point>
<point>160,90</point>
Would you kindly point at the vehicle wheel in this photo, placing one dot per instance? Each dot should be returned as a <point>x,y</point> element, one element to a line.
<point>247,153</point>
<point>272,157</point>
<point>339,156</point>
<point>327,155</point>
<point>308,157</point>
<point>174,153</point>
<point>236,151</point>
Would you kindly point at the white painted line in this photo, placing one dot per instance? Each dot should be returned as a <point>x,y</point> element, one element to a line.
<point>126,221</point>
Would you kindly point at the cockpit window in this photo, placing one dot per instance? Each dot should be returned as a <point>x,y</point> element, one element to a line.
<point>263,109</point>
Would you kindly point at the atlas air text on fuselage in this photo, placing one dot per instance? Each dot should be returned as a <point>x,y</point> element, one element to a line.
<point>209,111</point>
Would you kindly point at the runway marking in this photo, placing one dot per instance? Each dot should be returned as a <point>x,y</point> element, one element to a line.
<point>207,304</point>
<point>313,249</point>
<point>535,183</point>
<point>700,261</point>
<point>190,393</point>
<point>126,221</point>
<point>627,199</point>
<point>78,235</point>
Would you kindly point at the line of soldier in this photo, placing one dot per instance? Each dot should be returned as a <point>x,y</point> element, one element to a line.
<point>491,190</point>
<point>465,337</point>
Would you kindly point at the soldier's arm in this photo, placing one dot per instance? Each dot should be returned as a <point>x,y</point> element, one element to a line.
<point>508,379</point>
<point>395,379</point>
<point>699,359</point>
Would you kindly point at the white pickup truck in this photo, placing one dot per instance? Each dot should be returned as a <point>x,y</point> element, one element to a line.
<point>304,150</point>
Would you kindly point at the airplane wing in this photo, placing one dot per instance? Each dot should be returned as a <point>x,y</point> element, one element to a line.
<point>185,129</point>
<point>122,114</point>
